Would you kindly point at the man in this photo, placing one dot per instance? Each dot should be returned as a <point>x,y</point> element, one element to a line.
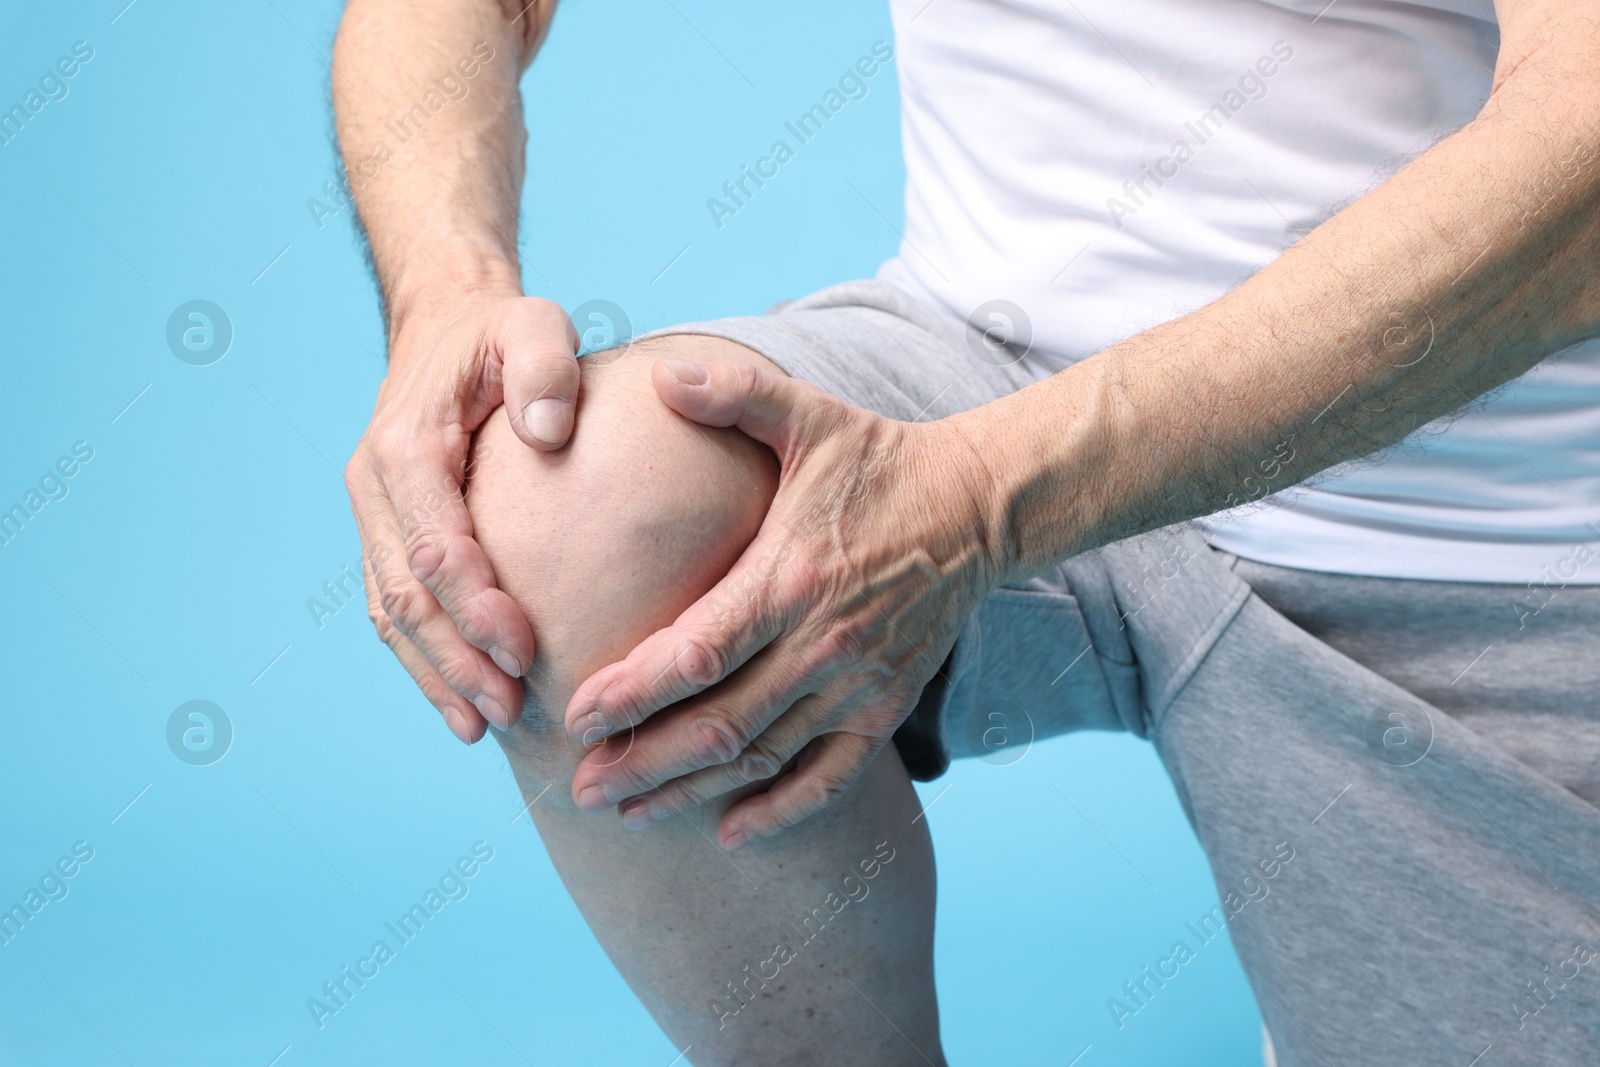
<point>1463,270</point>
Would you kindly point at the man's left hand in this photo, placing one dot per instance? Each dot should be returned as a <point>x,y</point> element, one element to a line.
<point>878,545</point>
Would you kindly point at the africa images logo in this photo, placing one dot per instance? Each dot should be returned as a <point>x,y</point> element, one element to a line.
<point>852,85</point>
<point>1251,86</point>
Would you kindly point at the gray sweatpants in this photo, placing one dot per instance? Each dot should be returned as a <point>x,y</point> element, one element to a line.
<point>1410,768</point>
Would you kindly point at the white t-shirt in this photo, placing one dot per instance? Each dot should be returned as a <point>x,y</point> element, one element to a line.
<point>1108,165</point>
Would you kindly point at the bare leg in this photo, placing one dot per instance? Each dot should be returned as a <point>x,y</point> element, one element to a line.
<point>814,947</point>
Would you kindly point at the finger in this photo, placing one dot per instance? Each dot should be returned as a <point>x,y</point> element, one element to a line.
<point>705,731</point>
<point>469,672</point>
<point>719,725</point>
<point>772,408</point>
<point>761,759</point>
<point>828,769</point>
<point>538,349</point>
<point>419,475</point>
<point>712,637</point>
<point>463,720</point>
<point>398,599</point>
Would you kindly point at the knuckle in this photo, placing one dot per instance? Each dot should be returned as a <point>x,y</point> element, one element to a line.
<point>387,633</point>
<point>535,310</point>
<point>700,661</point>
<point>545,308</point>
<point>426,553</point>
<point>824,789</point>
<point>758,762</point>
<point>715,740</point>
<point>386,441</point>
<point>558,370</point>
<point>844,647</point>
<point>355,471</point>
<point>804,575</point>
<point>400,603</point>
<point>541,320</point>
<point>747,380</point>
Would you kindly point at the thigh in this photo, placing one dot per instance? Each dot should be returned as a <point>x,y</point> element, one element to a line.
<point>1399,887</point>
<point>1515,664</point>
<point>881,349</point>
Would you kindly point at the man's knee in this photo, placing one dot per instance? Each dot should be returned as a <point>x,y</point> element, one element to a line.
<point>611,538</point>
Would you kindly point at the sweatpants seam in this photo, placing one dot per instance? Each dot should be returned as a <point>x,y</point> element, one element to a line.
<point>1185,671</point>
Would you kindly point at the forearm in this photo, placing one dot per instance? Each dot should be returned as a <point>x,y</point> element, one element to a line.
<point>1461,272</point>
<point>430,124</point>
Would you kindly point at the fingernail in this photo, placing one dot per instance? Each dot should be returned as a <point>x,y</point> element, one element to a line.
<point>638,815</point>
<point>593,798</point>
<point>505,661</point>
<point>736,842</point>
<point>687,371</point>
<point>550,419</point>
<point>494,711</point>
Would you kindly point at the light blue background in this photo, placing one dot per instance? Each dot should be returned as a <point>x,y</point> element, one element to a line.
<point>179,565</point>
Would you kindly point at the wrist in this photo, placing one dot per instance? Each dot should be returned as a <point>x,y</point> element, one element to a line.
<point>1043,459</point>
<point>981,485</point>
<point>436,291</point>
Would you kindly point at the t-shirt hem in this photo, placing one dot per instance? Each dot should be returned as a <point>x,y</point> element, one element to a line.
<point>1365,552</point>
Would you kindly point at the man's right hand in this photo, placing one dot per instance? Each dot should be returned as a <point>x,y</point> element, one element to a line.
<point>431,592</point>
<point>440,213</point>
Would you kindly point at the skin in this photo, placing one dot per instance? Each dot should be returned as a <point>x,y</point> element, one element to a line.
<point>666,506</point>
<point>854,474</point>
<point>1469,266</point>
<point>1466,268</point>
<point>440,213</point>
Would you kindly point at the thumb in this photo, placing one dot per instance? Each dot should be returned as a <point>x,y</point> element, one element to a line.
<point>770,407</point>
<point>538,355</point>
